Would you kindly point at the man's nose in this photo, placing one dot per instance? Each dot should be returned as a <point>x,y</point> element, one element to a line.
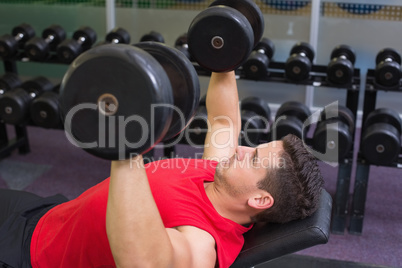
<point>243,151</point>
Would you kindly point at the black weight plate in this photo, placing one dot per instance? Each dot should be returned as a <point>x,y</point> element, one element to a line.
<point>303,47</point>
<point>251,11</point>
<point>344,50</point>
<point>297,68</point>
<point>36,48</point>
<point>220,23</point>
<point>130,79</point>
<point>57,32</point>
<point>118,34</point>
<point>45,110</point>
<point>8,46</point>
<point>26,30</point>
<point>253,128</point>
<point>14,106</point>
<point>37,85</point>
<point>153,36</point>
<point>9,81</point>
<point>88,34</point>
<point>294,108</point>
<point>381,144</point>
<point>256,66</point>
<point>267,46</point>
<point>384,115</point>
<point>388,73</point>
<point>339,113</point>
<point>183,79</point>
<point>340,71</point>
<point>333,141</point>
<point>388,53</point>
<point>287,125</point>
<point>256,105</point>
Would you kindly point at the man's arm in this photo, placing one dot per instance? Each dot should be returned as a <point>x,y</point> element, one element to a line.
<point>137,236</point>
<point>223,116</point>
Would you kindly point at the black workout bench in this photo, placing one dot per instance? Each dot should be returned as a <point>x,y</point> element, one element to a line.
<point>266,242</point>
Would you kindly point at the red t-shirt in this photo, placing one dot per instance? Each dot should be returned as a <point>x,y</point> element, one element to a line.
<point>73,234</point>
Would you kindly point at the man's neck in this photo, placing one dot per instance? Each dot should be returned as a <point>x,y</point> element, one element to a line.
<point>227,206</point>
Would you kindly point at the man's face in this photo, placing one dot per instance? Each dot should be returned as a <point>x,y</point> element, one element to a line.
<point>241,172</point>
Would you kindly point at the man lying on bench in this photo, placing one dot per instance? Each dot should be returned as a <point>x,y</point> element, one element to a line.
<point>168,213</point>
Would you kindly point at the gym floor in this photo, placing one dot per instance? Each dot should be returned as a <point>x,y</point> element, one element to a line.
<point>54,165</point>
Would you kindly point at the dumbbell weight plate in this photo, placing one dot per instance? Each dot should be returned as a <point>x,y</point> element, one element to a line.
<point>13,108</point>
<point>45,111</point>
<point>332,139</point>
<point>381,144</point>
<point>36,49</point>
<point>58,34</point>
<point>384,115</point>
<point>256,66</point>
<point>15,103</point>
<point>88,33</point>
<point>220,38</point>
<point>9,81</point>
<point>26,30</point>
<point>340,113</point>
<point>153,36</point>
<point>251,11</point>
<point>289,119</point>
<point>345,50</point>
<point>388,53</point>
<point>106,101</point>
<point>303,47</point>
<point>381,136</point>
<point>255,118</point>
<point>119,34</point>
<point>184,80</point>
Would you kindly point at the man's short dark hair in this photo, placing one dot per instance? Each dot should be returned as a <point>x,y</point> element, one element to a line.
<point>295,185</point>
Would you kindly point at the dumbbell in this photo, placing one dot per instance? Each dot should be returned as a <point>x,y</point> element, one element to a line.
<point>333,135</point>
<point>256,66</point>
<point>113,105</point>
<point>255,121</point>
<point>196,131</point>
<point>181,44</point>
<point>290,119</point>
<point>38,48</point>
<point>388,67</point>
<point>45,110</point>
<point>221,37</point>
<point>152,36</point>
<point>340,69</point>
<point>9,81</point>
<point>9,44</point>
<point>14,104</point>
<point>381,137</point>
<point>82,40</point>
<point>117,35</point>
<point>299,63</point>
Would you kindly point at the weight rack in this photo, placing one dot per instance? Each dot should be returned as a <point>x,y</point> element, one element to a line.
<point>21,141</point>
<point>363,166</point>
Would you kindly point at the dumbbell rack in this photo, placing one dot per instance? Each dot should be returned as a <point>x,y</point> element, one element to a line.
<point>21,141</point>
<point>362,166</point>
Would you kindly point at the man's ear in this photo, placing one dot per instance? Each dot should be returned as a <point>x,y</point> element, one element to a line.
<point>261,200</point>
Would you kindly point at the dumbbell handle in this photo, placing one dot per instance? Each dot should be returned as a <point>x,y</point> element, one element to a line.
<point>49,38</point>
<point>81,40</point>
<point>19,36</point>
